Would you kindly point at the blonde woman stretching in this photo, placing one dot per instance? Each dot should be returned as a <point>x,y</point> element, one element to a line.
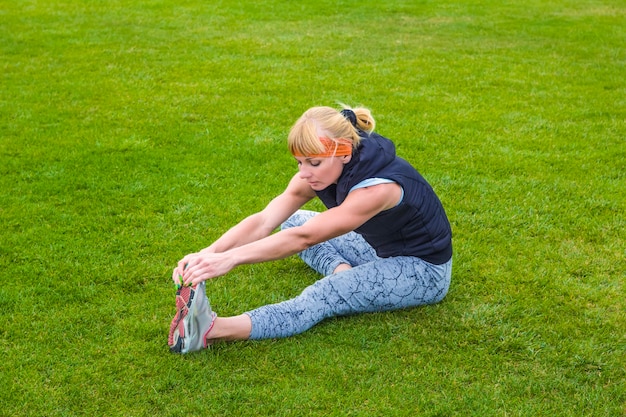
<point>383,244</point>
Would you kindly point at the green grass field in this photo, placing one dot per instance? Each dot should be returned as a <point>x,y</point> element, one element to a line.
<point>135,132</point>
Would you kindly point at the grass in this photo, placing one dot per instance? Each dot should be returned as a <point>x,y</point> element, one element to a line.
<point>133,133</point>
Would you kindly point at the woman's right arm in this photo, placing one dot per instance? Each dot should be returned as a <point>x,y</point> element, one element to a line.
<point>259,225</point>
<point>262,224</point>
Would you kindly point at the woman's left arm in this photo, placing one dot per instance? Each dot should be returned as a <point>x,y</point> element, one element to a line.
<point>360,206</point>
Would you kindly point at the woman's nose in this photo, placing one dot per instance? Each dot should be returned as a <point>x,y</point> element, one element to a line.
<point>304,173</point>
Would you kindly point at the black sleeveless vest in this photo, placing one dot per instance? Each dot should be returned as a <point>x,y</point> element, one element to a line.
<point>418,226</point>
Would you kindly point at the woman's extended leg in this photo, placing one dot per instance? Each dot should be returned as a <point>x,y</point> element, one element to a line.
<point>385,284</point>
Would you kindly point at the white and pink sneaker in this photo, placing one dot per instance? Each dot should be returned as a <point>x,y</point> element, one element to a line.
<point>194,319</point>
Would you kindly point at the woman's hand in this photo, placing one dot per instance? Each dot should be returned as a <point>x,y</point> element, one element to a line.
<point>197,267</point>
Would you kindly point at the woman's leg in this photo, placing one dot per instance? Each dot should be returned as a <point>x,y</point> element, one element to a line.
<point>384,284</point>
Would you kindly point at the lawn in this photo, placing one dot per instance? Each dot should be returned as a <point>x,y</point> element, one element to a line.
<point>135,132</point>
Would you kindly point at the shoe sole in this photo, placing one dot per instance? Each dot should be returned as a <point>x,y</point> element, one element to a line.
<point>184,299</point>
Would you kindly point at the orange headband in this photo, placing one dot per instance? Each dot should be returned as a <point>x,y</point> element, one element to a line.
<point>342,147</point>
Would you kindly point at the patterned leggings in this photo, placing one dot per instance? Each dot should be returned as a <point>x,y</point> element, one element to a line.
<point>373,284</point>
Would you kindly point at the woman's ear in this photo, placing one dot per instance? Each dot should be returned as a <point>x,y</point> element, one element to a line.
<point>346,158</point>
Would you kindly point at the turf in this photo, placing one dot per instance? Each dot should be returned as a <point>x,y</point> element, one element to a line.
<point>133,133</point>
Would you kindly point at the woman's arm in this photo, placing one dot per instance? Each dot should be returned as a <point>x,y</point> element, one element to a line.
<point>360,206</point>
<point>263,223</point>
<point>256,226</point>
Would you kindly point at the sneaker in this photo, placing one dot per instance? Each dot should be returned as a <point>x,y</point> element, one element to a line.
<point>193,320</point>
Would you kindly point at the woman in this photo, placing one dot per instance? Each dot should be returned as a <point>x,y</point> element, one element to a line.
<point>384,243</point>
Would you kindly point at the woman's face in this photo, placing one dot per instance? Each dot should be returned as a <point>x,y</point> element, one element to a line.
<point>319,173</point>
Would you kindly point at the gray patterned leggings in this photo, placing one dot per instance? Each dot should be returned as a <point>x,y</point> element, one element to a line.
<point>373,284</point>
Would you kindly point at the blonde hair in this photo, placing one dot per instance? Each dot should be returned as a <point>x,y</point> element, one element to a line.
<point>316,122</point>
